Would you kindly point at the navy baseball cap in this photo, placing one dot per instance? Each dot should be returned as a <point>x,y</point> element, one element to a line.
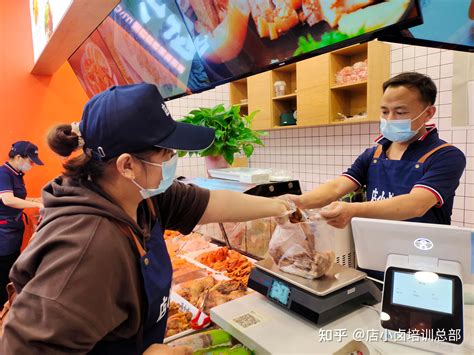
<point>27,149</point>
<point>131,118</point>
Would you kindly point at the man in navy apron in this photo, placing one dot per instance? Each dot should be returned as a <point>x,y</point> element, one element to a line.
<point>411,174</point>
<point>22,156</point>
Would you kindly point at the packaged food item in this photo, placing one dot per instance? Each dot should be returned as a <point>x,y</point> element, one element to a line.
<point>296,247</point>
<point>280,87</point>
<point>352,73</point>
<point>205,340</point>
<point>212,342</point>
<point>225,350</point>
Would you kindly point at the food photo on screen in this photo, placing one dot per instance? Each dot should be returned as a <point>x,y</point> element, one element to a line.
<point>267,32</point>
<point>94,66</point>
<point>188,46</point>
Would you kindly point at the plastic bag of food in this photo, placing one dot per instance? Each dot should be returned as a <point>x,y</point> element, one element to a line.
<point>301,245</point>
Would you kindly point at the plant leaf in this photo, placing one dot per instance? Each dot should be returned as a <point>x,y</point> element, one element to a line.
<point>248,150</point>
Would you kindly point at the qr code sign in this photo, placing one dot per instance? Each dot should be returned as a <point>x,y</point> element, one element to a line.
<point>247,320</point>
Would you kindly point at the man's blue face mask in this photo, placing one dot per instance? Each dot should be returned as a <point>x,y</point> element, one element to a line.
<point>168,169</point>
<point>399,130</point>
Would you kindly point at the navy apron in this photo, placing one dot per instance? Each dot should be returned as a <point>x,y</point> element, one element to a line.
<point>156,270</point>
<point>389,178</point>
<point>11,235</point>
<point>12,226</point>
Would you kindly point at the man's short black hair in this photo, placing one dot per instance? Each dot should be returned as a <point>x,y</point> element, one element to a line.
<point>425,86</point>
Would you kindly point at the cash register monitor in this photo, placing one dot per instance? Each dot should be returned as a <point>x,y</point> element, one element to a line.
<point>428,304</point>
<point>376,239</point>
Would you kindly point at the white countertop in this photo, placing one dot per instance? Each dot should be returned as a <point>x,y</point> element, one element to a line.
<point>274,330</point>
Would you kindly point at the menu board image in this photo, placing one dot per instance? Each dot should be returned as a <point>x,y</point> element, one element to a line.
<point>276,31</point>
<point>188,46</point>
<point>45,18</point>
<point>94,66</point>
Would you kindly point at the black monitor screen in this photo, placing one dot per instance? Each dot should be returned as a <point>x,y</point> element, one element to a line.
<point>188,46</point>
<point>446,24</point>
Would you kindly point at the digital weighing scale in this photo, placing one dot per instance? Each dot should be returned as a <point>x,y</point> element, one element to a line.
<point>320,301</point>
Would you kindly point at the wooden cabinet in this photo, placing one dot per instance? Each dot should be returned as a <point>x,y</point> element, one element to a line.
<point>312,92</point>
<point>260,99</point>
<point>239,95</point>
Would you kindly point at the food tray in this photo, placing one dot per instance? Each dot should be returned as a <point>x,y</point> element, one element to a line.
<point>185,306</point>
<point>196,289</point>
<point>191,257</point>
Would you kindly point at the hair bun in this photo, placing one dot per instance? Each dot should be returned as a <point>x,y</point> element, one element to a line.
<point>63,140</point>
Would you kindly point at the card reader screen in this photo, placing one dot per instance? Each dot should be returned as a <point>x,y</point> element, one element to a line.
<point>280,292</point>
<point>409,291</point>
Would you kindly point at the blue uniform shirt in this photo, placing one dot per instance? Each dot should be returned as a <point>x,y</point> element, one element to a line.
<point>440,173</point>
<point>11,180</point>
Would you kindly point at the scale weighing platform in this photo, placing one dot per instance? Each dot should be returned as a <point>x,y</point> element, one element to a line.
<point>320,301</point>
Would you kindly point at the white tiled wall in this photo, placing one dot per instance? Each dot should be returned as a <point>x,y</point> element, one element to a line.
<point>314,155</point>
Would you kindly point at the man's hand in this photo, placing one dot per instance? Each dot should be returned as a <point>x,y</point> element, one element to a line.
<point>296,199</point>
<point>338,214</point>
<point>161,349</point>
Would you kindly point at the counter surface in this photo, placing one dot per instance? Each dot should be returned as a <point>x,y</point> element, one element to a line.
<point>269,329</point>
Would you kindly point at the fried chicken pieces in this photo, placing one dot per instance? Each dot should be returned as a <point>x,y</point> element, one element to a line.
<point>215,292</point>
<point>178,321</point>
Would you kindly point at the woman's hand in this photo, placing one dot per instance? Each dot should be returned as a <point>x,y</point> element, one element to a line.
<point>162,349</point>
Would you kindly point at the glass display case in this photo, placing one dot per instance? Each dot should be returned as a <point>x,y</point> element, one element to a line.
<point>249,238</point>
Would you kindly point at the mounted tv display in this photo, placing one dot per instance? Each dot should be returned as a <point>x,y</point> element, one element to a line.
<point>446,24</point>
<point>188,46</point>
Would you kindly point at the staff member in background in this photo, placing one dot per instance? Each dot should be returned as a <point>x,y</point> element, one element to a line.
<point>411,174</point>
<point>21,158</point>
<point>96,278</point>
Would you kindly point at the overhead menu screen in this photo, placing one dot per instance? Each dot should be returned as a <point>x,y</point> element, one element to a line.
<point>434,296</point>
<point>188,46</point>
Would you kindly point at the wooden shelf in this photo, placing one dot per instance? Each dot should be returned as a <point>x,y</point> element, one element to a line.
<point>285,127</point>
<point>285,97</point>
<point>314,93</point>
<point>287,68</point>
<point>352,121</point>
<point>352,50</point>
<point>360,85</point>
<point>241,105</point>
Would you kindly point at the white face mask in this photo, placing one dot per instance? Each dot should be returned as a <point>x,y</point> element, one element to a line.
<point>168,169</point>
<point>25,166</point>
<point>399,130</point>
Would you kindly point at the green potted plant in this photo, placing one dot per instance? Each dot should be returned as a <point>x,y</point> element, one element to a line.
<point>232,134</point>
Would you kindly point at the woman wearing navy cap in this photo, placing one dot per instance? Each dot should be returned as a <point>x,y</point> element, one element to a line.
<point>97,277</point>
<point>22,156</point>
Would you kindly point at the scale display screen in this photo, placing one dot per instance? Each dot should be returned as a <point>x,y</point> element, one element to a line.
<point>435,296</point>
<point>280,292</point>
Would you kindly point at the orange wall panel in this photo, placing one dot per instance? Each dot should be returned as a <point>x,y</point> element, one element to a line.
<point>30,104</point>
